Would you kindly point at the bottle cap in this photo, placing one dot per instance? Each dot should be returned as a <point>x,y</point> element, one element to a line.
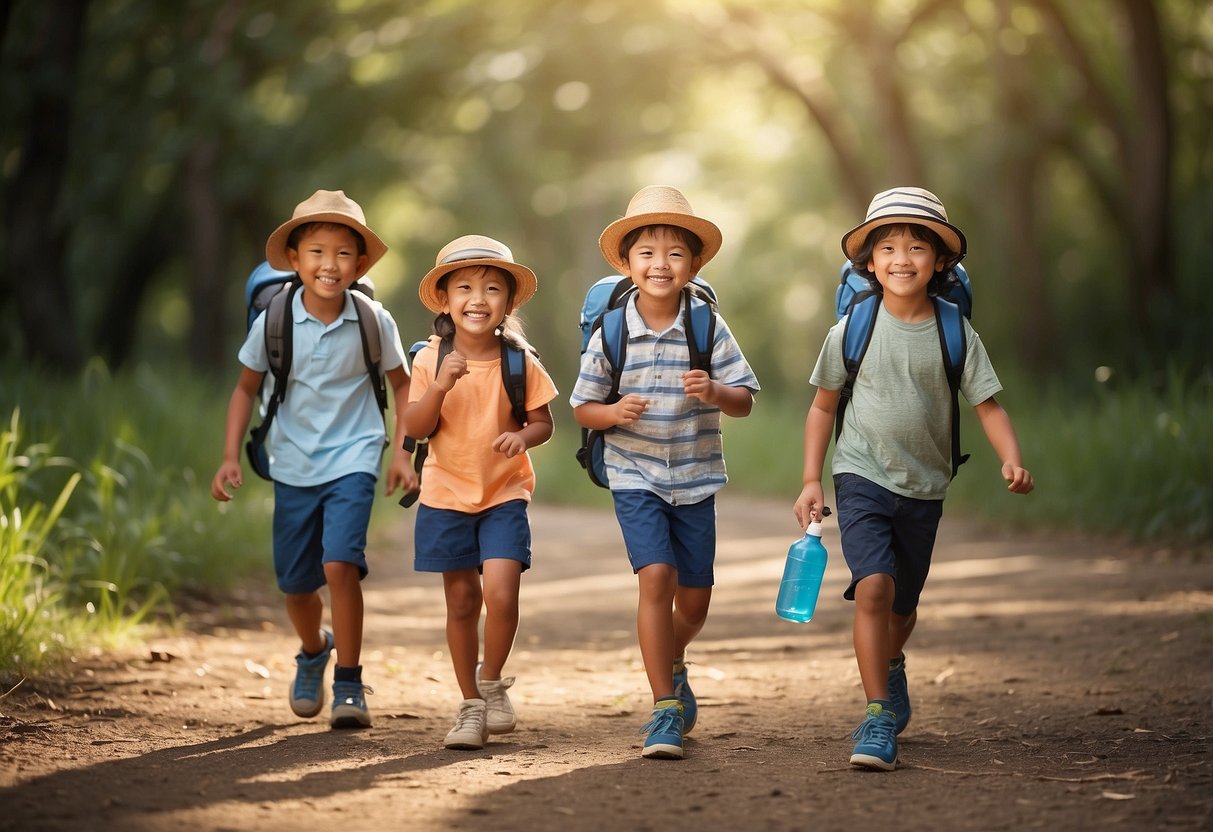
<point>814,529</point>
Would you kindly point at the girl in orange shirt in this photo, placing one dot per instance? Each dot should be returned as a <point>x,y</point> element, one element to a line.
<point>472,521</point>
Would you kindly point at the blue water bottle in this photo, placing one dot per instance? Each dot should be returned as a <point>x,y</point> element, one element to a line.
<point>802,574</point>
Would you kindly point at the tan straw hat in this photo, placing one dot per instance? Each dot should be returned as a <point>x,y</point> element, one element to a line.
<point>323,206</point>
<point>909,205</point>
<point>658,205</point>
<point>475,250</point>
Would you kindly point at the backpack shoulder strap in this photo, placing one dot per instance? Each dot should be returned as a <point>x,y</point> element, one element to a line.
<point>856,335</point>
<point>513,376</point>
<point>615,346</point>
<point>699,319</point>
<point>372,349</point>
<point>949,322</point>
<point>279,336</point>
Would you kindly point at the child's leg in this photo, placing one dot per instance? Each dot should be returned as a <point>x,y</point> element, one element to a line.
<point>345,599</point>
<point>873,611</point>
<point>464,599</point>
<point>690,613</point>
<point>900,628</point>
<point>655,626</point>
<point>305,610</point>
<point>502,581</point>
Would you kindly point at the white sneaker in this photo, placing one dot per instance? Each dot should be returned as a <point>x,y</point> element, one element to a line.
<point>470,732</point>
<point>501,718</point>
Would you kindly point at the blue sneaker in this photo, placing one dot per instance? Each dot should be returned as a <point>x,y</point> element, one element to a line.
<point>349,705</point>
<point>684,694</point>
<point>664,741</point>
<point>877,735</point>
<point>899,692</point>
<point>307,691</point>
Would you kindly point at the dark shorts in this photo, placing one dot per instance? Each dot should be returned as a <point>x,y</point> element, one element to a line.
<point>681,536</point>
<point>446,540</point>
<point>319,524</point>
<point>886,534</point>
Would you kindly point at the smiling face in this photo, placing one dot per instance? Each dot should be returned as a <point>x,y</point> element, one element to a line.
<point>327,259</point>
<point>660,263</point>
<point>477,298</point>
<point>904,265</point>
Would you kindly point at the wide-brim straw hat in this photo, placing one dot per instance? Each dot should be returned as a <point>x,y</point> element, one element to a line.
<point>909,205</point>
<point>658,205</point>
<point>324,206</point>
<point>475,250</point>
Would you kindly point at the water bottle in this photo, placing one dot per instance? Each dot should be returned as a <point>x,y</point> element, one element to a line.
<point>802,576</point>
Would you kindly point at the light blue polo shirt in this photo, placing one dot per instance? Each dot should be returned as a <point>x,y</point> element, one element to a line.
<point>329,424</point>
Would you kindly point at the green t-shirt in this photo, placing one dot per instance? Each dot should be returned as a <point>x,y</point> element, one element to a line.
<point>897,430</point>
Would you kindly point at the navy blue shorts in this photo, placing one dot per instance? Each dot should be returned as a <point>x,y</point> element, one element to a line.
<point>445,540</point>
<point>886,534</point>
<point>681,536</point>
<point>319,524</point>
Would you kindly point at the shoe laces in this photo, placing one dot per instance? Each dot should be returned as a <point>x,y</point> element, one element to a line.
<point>469,717</point>
<point>351,690</point>
<point>662,720</point>
<point>877,728</point>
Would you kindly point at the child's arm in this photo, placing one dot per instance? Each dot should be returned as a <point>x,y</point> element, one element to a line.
<point>732,401</point>
<point>421,417</point>
<point>601,416</point>
<point>239,412</point>
<point>400,473</point>
<point>818,426</point>
<point>997,424</point>
<point>538,429</point>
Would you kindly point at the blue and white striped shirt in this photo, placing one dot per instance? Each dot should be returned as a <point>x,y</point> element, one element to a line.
<point>675,449</point>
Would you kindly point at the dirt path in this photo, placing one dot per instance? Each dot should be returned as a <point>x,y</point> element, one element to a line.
<point>1056,685</point>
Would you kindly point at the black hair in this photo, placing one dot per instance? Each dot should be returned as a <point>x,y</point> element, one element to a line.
<point>919,232</point>
<point>511,326</point>
<point>299,231</point>
<point>689,239</point>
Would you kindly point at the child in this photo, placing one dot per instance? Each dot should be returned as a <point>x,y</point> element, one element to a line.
<point>664,458</point>
<point>892,463</point>
<point>326,444</point>
<point>472,519</point>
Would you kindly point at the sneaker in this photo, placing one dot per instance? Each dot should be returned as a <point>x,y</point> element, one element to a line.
<point>349,705</point>
<point>664,740</point>
<point>877,735</point>
<point>684,694</point>
<point>899,692</point>
<point>471,731</point>
<point>500,718</point>
<point>307,691</point>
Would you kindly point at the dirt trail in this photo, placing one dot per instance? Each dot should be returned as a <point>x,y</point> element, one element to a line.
<point>1057,684</point>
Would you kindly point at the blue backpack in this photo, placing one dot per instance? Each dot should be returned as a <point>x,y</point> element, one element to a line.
<point>858,298</point>
<point>272,291</point>
<point>513,377</point>
<point>604,308</point>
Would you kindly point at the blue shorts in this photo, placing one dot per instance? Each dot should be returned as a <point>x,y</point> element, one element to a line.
<point>680,536</point>
<point>886,534</point>
<point>319,524</point>
<point>445,540</point>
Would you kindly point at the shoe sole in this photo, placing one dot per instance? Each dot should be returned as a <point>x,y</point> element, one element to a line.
<point>468,745</point>
<point>875,763</point>
<point>350,719</point>
<point>503,729</point>
<point>306,714</point>
<point>662,751</point>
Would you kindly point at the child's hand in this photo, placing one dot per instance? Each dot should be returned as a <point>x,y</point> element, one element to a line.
<point>454,367</point>
<point>1019,480</point>
<point>400,474</point>
<point>509,443</point>
<point>629,409</point>
<point>698,384</point>
<point>808,505</point>
<point>229,473</point>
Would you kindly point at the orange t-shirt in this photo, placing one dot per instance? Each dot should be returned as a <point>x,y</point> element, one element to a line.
<point>462,471</point>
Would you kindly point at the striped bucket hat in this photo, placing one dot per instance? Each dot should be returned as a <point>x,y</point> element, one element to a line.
<point>908,205</point>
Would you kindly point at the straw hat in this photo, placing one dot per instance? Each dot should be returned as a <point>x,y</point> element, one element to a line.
<point>475,250</point>
<point>323,206</point>
<point>911,205</point>
<point>658,205</point>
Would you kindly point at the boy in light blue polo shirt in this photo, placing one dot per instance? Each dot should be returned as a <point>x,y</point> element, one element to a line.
<point>326,444</point>
<point>663,450</point>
